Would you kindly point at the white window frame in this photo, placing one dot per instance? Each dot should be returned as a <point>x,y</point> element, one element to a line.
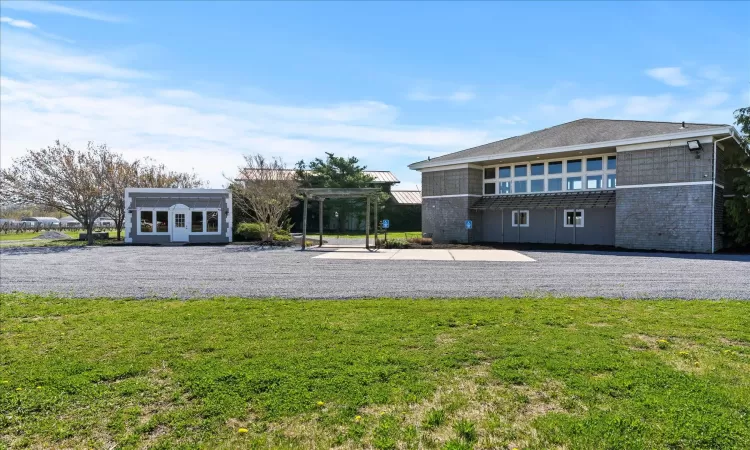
<point>514,215</point>
<point>205,222</point>
<point>584,174</point>
<point>153,222</point>
<point>574,211</point>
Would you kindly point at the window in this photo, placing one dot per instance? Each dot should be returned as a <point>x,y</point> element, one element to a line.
<point>537,185</point>
<point>554,167</point>
<point>153,221</point>
<point>196,221</point>
<point>611,181</point>
<point>594,182</point>
<point>574,165</point>
<point>537,169</point>
<point>574,183</point>
<point>489,188</point>
<point>519,171</point>
<point>489,173</point>
<point>162,221</point>
<point>505,187</point>
<point>212,221</point>
<point>611,162</point>
<point>519,186</point>
<point>147,221</point>
<point>521,218</point>
<point>574,218</point>
<point>594,164</point>
<point>504,172</point>
<point>554,184</point>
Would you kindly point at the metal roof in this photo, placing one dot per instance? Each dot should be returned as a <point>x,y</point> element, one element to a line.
<point>569,200</point>
<point>578,132</point>
<point>407,197</point>
<point>378,176</point>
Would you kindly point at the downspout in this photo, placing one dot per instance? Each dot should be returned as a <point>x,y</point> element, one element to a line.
<point>713,195</point>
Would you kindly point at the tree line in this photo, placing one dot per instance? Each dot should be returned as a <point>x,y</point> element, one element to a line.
<point>85,184</point>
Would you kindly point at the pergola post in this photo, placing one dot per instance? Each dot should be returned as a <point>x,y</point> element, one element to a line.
<point>320,221</point>
<point>376,222</point>
<point>304,222</point>
<point>367,224</point>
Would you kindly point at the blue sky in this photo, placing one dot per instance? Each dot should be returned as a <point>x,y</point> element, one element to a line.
<point>196,85</point>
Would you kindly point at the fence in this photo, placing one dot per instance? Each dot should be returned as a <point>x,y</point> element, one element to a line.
<point>31,227</point>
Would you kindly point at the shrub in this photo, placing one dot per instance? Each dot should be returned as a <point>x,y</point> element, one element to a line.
<point>420,240</point>
<point>395,243</point>
<point>250,231</point>
<point>282,237</point>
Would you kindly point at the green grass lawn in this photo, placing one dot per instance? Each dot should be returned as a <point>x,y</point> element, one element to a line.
<point>391,235</point>
<point>455,374</point>
<point>31,235</point>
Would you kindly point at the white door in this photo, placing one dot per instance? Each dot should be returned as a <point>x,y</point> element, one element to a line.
<point>180,225</point>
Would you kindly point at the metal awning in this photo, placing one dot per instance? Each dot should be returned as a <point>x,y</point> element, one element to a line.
<point>569,200</point>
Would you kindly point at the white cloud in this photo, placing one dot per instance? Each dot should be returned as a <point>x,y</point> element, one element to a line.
<point>29,55</point>
<point>17,23</point>
<point>592,105</point>
<point>506,120</point>
<point>672,76</point>
<point>52,8</point>
<point>713,99</point>
<point>640,106</point>
<point>458,96</point>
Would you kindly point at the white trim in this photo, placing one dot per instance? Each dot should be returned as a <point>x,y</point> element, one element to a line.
<point>204,222</point>
<point>604,144</point>
<point>513,221</point>
<point>575,212</point>
<point>719,185</point>
<point>663,144</point>
<point>453,167</point>
<point>175,191</point>
<point>451,196</point>
<point>682,183</point>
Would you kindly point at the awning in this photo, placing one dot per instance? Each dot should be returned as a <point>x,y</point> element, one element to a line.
<point>567,200</point>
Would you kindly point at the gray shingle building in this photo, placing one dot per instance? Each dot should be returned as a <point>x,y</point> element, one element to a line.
<point>630,184</point>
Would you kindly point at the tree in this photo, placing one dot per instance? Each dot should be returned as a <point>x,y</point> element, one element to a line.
<point>75,182</point>
<point>264,192</point>
<point>145,174</point>
<point>338,172</point>
<point>738,170</point>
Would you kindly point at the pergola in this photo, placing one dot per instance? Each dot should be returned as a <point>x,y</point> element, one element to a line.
<point>321,194</point>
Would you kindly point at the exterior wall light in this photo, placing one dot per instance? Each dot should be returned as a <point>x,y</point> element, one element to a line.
<point>694,146</point>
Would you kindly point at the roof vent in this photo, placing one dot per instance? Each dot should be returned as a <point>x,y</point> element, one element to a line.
<point>683,125</point>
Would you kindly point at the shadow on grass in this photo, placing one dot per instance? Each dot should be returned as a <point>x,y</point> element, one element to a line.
<point>42,250</point>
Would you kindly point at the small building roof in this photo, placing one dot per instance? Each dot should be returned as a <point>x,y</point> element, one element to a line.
<point>378,176</point>
<point>567,200</point>
<point>407,197</point>
<point>41,219</point>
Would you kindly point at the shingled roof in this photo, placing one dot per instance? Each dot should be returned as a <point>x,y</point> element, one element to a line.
<point>591,199</point>
<point>578,132</point>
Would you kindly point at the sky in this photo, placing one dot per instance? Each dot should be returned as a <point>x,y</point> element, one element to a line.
<point>197,85</point>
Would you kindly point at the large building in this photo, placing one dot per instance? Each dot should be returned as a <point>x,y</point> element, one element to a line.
<point>623,183</point>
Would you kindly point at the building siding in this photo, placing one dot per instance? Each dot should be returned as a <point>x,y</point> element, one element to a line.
<point>671,218</point>
<point>664,165</point>
<point>547,226</point>
<point>166,201</point>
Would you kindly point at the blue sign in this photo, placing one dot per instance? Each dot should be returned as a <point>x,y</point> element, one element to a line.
<point>468,224</point>
<point>386,223</point>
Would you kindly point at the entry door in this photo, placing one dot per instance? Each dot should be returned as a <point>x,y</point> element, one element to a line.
<point>180,225</point>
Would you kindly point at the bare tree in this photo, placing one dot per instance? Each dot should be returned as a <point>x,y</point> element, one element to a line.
<point>264,192</point>
<point>60,177</point>
<point>142,173</point>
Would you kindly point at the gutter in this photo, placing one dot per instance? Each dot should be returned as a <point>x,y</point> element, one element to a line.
<point>713,193</point>
<point>640,140</point>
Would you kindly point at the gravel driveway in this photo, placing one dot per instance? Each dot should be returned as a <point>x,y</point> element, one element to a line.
<point>251,272</point>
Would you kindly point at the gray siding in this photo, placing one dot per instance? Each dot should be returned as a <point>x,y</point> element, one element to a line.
<point>452,182</point>
<point>664,165</point>
<point>547,226</point>
<point>672,218</point>
<point>445,219</point>
<point>167,200</point>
